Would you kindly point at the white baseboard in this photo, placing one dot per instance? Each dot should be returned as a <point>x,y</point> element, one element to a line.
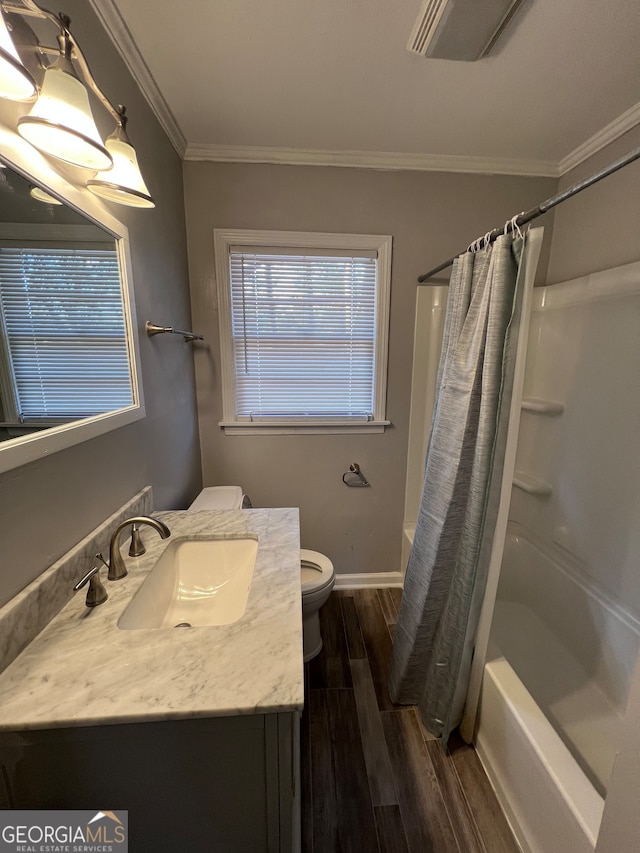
<point>372,580</point>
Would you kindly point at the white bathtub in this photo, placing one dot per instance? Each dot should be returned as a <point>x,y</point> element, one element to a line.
<point>561,658</point>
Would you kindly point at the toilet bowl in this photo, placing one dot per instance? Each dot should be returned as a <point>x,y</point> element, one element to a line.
<point>316,579</point>
<point>316,570</point>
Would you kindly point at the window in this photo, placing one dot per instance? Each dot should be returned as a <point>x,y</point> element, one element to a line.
<point>64,350</point>
<point>304,325</point>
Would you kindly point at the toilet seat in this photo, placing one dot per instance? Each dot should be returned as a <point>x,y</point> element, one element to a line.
<point>316,571</point>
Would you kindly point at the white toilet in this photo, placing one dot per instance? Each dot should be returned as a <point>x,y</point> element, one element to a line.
<point>221,497</point>
<point>317,579</point>
<point>316,570</point>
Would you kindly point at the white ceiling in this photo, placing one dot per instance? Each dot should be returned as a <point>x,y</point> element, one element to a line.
<point>226,76</point>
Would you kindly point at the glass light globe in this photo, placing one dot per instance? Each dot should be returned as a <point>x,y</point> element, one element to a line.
<point>16,83</point>
<point>61,123</point>
<point>42,195</point>
<point>124,183</point>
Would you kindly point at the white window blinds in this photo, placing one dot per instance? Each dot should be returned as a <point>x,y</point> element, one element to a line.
<point>64,332</point>
<point>303,333</point>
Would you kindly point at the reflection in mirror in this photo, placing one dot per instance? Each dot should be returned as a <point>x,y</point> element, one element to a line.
<point>64,352</point>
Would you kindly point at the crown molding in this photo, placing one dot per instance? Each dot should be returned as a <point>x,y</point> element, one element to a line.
<point>120,34</point>
<point>601,139</point>
<point>113,22</point>
<point>382,160</point>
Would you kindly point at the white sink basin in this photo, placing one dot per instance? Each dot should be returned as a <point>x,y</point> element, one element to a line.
<point>196,582</point>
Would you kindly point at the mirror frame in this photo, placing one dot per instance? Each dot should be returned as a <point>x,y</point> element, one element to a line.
<point>19,155</point>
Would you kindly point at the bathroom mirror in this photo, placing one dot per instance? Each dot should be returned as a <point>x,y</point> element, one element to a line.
<point>68,358</point>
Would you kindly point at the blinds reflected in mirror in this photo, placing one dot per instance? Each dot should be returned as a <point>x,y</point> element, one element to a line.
<point>64,351</point>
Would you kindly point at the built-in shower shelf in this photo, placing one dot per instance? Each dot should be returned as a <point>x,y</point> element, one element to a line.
<point>532,485</point>
<point>538,406</point>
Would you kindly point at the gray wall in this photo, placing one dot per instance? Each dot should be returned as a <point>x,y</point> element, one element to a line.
<point>431,216</point>
<point>49,505</point>
<point>598,229</point>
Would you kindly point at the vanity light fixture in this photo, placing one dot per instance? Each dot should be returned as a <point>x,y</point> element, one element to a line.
<point>60,123</point>
<point>16,83</point>
<point>124,182</point>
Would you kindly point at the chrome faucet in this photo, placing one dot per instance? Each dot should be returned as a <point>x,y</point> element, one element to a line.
<point>117,568</point>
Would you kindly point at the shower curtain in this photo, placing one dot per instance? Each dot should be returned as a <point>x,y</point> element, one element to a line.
<point>446,573</point>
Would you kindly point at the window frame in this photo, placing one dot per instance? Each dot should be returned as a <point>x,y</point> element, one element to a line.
<point>224,238</point>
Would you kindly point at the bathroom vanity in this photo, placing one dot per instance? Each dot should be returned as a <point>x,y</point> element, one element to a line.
<point>193,730</point>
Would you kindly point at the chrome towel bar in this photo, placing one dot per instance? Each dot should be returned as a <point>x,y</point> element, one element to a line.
<point>152,329</point>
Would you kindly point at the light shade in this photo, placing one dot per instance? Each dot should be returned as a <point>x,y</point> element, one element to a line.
<point>16,83</point>
<point>60,122</point>
<point>124,183</point>
<point>42,195</point>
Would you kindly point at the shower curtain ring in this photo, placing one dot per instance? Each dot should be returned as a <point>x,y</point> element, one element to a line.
<point>514,225</point>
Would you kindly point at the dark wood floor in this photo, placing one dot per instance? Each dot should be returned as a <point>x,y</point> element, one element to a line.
<point>373,779</point>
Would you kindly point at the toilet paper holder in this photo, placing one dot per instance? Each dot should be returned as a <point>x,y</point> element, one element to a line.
<point>354,478</point>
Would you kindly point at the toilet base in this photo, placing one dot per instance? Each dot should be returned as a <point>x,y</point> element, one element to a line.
<point>311,637</point>
<point>312,654</point>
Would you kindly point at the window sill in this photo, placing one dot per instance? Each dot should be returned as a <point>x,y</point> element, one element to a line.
<point>292,428</point>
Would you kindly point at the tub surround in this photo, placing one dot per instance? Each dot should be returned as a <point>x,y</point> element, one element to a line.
<point>82,670</point>
<point>558,811</point>
<point>566,624</point>
<point>592,643</point>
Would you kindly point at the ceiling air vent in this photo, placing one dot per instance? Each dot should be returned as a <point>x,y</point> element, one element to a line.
<point>460,29</point>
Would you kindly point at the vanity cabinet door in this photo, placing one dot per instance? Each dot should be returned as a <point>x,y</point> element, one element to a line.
<point>283,781</point>
<point>207,786</point>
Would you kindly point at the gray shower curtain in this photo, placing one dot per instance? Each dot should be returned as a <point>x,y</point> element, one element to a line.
<point>446,573</point>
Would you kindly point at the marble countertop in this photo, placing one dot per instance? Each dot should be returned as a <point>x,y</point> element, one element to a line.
<point>82,670</point>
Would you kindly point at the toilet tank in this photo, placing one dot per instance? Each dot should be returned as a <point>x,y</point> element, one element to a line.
<point>220,497</point>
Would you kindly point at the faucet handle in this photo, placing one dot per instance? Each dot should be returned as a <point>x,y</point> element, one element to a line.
<point>102,559</point>
<point>96,594</point>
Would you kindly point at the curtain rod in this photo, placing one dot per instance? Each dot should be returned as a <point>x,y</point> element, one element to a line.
<point>544,206</point>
